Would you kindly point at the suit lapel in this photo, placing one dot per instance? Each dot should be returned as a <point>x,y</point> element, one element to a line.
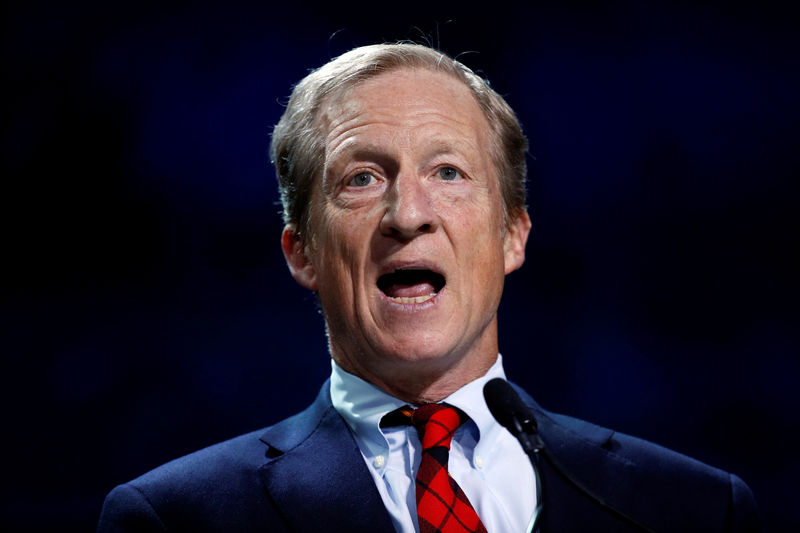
<point>317,478</point>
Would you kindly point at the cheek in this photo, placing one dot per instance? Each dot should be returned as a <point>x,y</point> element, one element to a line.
<point>485,234</point>
<point>341,239</point>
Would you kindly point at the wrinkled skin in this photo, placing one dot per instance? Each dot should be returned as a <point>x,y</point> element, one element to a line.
<point>408,183</point>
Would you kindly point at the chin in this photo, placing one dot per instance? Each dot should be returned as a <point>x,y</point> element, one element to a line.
<point>420,352</point>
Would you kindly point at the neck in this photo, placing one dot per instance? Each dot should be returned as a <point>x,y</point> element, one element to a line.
<point>419,383</point>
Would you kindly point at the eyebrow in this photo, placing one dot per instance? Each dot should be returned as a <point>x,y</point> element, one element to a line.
<point>439,147</point>
<point>368,152</point>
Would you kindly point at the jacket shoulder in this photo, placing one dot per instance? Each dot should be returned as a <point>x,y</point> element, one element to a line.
<point>646,481</point>
<point>212,489</point>
<point>218,488</point>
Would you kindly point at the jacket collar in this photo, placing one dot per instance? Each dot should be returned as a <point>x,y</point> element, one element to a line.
<point>635,479</point>
<point>316,475</point>
<point>585,453</point>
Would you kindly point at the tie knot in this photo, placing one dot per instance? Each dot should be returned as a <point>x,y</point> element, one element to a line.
<point>436,423</point>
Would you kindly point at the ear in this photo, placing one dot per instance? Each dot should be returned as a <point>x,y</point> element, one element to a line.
<point>514,241</point>
<point>300,266</point>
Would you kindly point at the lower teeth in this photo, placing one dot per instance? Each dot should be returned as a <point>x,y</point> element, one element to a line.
<point>413,299</point>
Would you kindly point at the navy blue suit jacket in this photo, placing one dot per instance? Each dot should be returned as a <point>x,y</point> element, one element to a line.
<point>306,474</point>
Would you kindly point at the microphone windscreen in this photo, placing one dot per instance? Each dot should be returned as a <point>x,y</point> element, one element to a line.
<point>506,405</point>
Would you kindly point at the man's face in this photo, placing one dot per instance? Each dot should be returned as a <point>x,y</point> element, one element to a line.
<point>407,246</point>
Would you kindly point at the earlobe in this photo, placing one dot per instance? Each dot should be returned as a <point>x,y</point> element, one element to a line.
<point>300,265</point>
<point>514,242</point>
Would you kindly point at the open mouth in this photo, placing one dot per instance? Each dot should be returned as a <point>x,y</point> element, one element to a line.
<point>411,286</point>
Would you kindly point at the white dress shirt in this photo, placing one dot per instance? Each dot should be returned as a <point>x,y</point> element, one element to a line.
<point>485,459</point>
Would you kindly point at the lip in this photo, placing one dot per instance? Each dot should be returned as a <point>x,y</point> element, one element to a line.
<point>392,266</point>
<point>411,307</point>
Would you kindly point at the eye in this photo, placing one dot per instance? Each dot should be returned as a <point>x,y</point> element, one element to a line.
<point>362,179</point>
<point>449,173</point>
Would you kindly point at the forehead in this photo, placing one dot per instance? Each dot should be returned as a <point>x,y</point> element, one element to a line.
<point>405,97</point>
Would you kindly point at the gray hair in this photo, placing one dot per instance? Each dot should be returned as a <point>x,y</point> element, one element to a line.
<point>298,141</point>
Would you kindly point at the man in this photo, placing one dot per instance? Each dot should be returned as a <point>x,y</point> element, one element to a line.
<point>402,178</point>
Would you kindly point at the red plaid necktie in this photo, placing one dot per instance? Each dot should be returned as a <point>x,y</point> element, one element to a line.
<point>442,507</point>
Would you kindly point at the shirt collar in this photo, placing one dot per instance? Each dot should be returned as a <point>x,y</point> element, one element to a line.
<point>362,405</point>
<point>469,399</point>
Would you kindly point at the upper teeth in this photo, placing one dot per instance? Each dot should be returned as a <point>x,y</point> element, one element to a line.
<point>413,299</point>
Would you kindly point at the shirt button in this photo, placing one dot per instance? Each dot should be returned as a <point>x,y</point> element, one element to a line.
<point>478,461</point>
<point>378,461</point>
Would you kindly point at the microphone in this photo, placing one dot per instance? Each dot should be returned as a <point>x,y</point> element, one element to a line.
<point>511,412</point>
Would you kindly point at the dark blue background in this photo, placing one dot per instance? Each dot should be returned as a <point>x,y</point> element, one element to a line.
<point>149,311</point>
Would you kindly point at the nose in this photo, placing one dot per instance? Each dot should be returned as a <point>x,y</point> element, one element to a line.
<point>409,212</point>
